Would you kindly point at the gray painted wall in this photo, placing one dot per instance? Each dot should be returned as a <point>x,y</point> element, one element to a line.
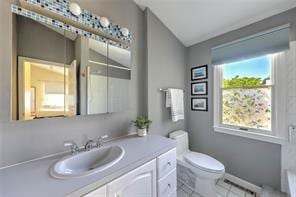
<point>32,139</point>
<point>165,68</point>
<point>254,161</point>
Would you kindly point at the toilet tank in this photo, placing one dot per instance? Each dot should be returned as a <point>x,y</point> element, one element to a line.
<point>182,140</point>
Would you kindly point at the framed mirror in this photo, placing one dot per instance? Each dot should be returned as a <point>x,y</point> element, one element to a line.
<point>41,72</point>
<point>57,73</point>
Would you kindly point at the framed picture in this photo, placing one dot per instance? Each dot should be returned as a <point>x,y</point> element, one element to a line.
<point>199,88</point>
<point>199,104</point>
<point>200,72</point>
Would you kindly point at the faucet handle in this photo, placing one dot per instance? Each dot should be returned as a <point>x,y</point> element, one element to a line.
<point>101,139</point>
<point>69,143</point>
<point>104,137</point>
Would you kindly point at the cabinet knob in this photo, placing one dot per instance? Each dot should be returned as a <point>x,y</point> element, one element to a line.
<point>169,163</point>
<point>169,185</point>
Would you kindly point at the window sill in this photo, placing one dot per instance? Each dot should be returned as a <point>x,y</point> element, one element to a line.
<point>254,136</point>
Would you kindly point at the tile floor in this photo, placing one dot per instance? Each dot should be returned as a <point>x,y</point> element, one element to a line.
<point>223,190</point>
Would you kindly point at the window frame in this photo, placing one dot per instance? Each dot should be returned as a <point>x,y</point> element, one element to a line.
<point>278,98</point>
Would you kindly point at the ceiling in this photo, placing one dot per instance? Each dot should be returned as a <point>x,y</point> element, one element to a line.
<point>194,21</point>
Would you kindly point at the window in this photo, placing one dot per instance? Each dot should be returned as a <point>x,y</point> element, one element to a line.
<point>246,94</point>
<point>53,96</point>
<point>249,85</point>
<point>246,98</point>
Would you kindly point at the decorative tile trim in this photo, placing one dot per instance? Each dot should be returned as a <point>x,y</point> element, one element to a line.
<point>60,25</point>
<point>61,7</point>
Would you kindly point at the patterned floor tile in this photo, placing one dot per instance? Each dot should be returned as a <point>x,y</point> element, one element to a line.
<point>221,190</point>
<point>179,184</point>
<point>231,194</point>
<point>194,195</point>
<point>238,191</point>
<point>250,195</point>
<point>186,189</point>
<point>223,184</point>
<point>181,193</point>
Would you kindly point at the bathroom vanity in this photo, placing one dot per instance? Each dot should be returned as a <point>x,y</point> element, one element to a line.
<point>148,168</point>
<point>155,178</point>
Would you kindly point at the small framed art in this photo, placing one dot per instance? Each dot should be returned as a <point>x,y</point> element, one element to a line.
<point>200,72</point>
<point>199,88</point>
<point>199,104</point>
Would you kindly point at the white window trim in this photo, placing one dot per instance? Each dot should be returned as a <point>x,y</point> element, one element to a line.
<point>278,134</point>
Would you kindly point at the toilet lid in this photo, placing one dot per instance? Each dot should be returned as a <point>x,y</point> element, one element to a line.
<point>204,162</point>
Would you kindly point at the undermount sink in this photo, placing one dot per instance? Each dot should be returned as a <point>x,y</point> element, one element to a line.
<point>87,163</point>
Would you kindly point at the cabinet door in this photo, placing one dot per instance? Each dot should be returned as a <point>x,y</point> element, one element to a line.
<point>101,192</point>
<point>140,182</point>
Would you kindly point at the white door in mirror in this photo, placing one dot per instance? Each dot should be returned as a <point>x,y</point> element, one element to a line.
<point>75,9</point>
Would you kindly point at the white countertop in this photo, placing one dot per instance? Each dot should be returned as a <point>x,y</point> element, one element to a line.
<point>292,182</point>
<point>33,180</point>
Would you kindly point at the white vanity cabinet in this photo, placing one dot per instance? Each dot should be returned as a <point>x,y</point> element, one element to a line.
<point>156,178</point>
<point>166,174</point>
<point>101,192</point>
<point>140,182</point>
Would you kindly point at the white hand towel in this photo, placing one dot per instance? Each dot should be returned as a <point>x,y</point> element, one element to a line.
<point>168,99</point>
<point>175,100</point>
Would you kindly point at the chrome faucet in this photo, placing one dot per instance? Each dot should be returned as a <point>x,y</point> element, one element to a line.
<point>100,140</point>
<point>74,148</point>
<point>90,144</point>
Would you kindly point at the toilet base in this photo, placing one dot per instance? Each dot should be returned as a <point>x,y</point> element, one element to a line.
<point>205,187</point>
<point>201,182</point>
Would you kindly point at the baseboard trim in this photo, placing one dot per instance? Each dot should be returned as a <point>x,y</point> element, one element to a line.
<point>243,183</point>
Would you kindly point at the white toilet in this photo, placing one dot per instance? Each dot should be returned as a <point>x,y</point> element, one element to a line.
<point>206,169</point>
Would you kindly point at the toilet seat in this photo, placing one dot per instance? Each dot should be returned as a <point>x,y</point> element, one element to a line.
<point>204,162</point>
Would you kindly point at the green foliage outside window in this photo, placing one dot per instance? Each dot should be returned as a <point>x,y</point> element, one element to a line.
<point>246,105</point>
<point>238,81</point>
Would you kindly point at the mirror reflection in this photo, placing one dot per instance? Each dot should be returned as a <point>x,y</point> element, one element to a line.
<point>46,89</point>
<point>119,76</point>
<point>96,78</point>
<point>59,73</point>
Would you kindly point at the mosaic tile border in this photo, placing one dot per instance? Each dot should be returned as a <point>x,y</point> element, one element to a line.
<point>61,7</point>
<point>44,19</point>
